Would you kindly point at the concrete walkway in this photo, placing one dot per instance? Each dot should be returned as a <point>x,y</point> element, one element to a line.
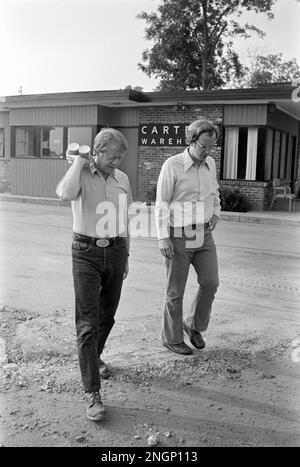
<point>291,219</point>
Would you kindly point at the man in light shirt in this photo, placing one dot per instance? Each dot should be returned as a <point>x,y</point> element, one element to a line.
<point>187,211</point>
<point>100,195</point>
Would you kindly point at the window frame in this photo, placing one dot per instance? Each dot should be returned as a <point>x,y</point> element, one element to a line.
<point>2,130</point>
<point>63,156</point>
<point>275,164</point>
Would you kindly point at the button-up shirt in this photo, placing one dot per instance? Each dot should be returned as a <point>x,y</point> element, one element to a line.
<point>101,206</point>
<point>186,193</point>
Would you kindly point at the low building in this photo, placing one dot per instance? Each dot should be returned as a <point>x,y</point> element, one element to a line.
<point>259,136</point>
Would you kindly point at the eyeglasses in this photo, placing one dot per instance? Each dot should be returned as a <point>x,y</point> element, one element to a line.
<point>207,147</point>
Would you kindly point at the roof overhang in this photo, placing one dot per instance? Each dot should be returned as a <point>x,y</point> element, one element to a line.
<point>118,98</point>
<point>281,95</point>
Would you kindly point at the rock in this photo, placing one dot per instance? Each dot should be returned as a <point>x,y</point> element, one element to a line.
<point>232,371</point>
<point>168,434</point>
<point>3,356</point>
<point>137,437</point>
<point>23,383</point>
<point>80,439</point>
<point>152,440</point>
<point>10,366</point>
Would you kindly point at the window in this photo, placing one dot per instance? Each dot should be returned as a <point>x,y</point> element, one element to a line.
<point>26,142</point>
<point>242,153</point>
<point>240,157</point>
<point>261,154</point>
<point>80,135</point>
<point>51,142</point>
<point>1,142</point>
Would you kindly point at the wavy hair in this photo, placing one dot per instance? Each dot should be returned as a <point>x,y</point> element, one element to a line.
<point>108,136</point>
<point>198,127</point>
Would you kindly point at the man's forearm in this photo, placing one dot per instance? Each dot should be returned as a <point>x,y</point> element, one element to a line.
<point>127,239</point>
<point>69,186</point>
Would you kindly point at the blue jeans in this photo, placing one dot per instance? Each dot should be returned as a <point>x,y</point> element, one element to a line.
<point>204,260</point>
<point>98,279</point>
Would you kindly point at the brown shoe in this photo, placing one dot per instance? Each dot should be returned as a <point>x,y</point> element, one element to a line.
<point>103,370</point>
<point>181,348</point>
<point>95,410</point>
<point>195,337</point>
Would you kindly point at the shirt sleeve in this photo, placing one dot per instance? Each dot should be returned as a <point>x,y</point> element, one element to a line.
<point>216,200</point>
<point>164,192</point>
<point>129,192</point>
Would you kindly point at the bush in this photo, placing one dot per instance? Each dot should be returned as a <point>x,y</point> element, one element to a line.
<point>233,200</point>
<point>4,186</point>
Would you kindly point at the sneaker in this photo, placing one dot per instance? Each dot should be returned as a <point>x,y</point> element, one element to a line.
<point>95,410</point>
<point>103,369</point>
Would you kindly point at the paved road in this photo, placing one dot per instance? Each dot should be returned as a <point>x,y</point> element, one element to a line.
<point>259,273</point>
<point>254,324</point>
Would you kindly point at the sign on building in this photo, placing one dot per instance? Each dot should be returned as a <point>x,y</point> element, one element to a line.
<point>162,134</point>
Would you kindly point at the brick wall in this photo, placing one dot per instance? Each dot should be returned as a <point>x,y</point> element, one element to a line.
<point>150,158</point>
<point>5,176</point>
<point>258,194</point>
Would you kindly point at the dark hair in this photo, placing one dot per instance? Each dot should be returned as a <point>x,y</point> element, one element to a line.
<point>198,127</point>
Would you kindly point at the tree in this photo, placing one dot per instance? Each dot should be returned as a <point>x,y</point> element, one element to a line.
<point>133,88</point>
<point>270,68</point>
<point>193,46</point>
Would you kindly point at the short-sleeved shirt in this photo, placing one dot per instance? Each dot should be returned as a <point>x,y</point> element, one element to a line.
<point>101,206</point>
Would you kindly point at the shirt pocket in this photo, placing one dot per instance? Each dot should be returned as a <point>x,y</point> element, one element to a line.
<point>123,188</point>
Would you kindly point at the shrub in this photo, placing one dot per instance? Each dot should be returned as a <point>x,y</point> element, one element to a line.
<point>4,186</point>
<point>233,200</point>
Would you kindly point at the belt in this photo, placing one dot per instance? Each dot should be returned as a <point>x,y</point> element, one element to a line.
<point>100,242</point>
<point>193,226</point>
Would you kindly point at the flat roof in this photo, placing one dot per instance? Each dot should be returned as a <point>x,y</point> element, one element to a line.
<point>280,94</point>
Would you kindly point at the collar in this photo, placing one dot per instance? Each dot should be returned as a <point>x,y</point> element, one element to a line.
<point>93,169</point>
<point>189,161</point>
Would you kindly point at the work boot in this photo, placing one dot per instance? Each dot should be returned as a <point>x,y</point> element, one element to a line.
<point>95,410</point>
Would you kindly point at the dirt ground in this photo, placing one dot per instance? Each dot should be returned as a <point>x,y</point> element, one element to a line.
<point>242,394</point>
<point>241,390</point>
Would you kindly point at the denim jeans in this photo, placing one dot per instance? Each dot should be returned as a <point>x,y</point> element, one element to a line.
<point>204,260</point>
<point>98,279</point>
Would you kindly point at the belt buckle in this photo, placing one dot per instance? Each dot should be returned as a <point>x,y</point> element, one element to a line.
<point>102,242</point>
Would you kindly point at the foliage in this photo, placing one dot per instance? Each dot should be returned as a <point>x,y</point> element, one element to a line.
<point>271,68</point>
<point>133,88</point>
<point>4,186</point>
<point>193,47</point>
<point>233,200</point>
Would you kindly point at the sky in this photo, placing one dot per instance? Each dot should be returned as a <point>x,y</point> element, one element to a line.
<point>88,45</point>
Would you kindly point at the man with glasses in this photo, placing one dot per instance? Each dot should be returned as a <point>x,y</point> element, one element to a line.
<point>187,211</point>
<point>100,195</point>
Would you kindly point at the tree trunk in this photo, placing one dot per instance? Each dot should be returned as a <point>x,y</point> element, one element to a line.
<point>205,46</point>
